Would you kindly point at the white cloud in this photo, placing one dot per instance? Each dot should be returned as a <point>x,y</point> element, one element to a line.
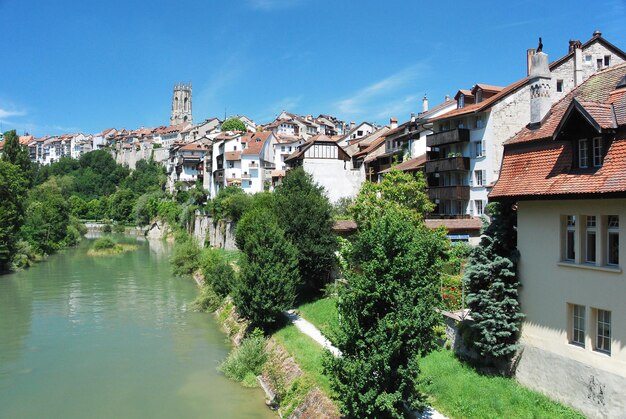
<point>4,113</point>
<point>274,4</point>
<point>372,98</point>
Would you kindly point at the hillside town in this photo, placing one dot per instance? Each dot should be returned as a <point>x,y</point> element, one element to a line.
<point>553,142</point>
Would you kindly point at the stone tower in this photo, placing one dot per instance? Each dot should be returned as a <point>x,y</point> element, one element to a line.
<point>181,104</point>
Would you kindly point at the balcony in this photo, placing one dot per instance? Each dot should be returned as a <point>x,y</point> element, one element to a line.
<point>253,165</point>
<point>458,135</point>
<point>453,193</point>
<point>245,176</point>
<point>447,165</point>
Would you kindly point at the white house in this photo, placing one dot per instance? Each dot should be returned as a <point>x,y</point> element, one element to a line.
<point>566,174</point>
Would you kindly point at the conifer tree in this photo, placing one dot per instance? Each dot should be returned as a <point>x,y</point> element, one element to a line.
<point>492,282</point>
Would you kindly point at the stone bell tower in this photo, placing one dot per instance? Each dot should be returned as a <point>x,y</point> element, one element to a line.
<point>181,104</point>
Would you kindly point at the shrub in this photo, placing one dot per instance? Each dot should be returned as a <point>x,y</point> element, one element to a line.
<point>186,257</point>
<point>106,228</point>
<point>104,243</point>
<point>246,362</point>
<point>119,228</point>
<point>207,301</point>
<point>218,273</point>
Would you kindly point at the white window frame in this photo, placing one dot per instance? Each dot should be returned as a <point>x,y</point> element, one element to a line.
<point>570,238</point>
<point>578,317</point>
<point>603,331</point>
<point>597,152</point>
<point>461,101</point>
<point>480,207</point>
<point>612,231</point>
<point>583,153</point>
<point>480,177</point>
<point>591,230</point>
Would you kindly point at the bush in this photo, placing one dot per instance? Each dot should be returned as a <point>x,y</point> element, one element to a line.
<point>106,228</point>
<point>119,228</point>
<point>186,257</point>
<point>207,301</point>
<point>246,362</point>
<point>218,273</point>
<point>104,243</point>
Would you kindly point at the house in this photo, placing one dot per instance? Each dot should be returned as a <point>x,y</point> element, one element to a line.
<point>566,174</point>
<point>226,161</point>
<point>466,146</point>
<point>257,162</point>
<point>329,165</point>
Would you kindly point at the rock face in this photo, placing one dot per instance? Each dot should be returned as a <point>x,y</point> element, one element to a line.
<point>220,234</point>
<point>158,230</point>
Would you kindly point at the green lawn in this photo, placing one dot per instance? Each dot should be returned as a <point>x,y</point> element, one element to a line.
<point>307,353</point>
<point>323,314</point>
<point>458,391</point>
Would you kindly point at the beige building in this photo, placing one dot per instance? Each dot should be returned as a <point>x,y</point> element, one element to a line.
<point>566,172</point>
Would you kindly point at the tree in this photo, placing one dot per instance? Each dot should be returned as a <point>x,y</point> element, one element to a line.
<point>396,189</point>
<point>230,203</point>
<point>148,176</point>
<point>217,271</point>
<point>12,200</point>
<point>17,154</point>
<point>387,312</point>
<point>47,217</point>
<point>304,212</point>
<point>146,207</point>
<point>492,283</point>
<point>233,124</point>
<point>269,269</point>
<point>122,205</point>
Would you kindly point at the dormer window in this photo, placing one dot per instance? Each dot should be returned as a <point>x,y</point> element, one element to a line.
<point>583,153</point>
<point>479,96</point>
<point>597,152</point>
<point>461,101</point>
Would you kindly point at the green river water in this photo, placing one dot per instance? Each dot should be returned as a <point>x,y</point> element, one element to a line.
<point>112,337</point>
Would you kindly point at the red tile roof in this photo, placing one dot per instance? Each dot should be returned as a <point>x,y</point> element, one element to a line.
<point>455,224</point>
<point>409,165</point>
<point>255,142</point>
<point>233,155</point>
<point>539,163</point>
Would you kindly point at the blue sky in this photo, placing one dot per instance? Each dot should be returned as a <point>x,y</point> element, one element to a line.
<point>82,66</point>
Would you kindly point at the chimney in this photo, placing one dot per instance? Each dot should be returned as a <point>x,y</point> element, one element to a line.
<point>352,125</point>
<point>412,117</point>
<point>540,87</point>
<point>578,63</point>
<point>529,54</point>
<point>425,104</point>
<point>447,98</point>
<point>393,123</point>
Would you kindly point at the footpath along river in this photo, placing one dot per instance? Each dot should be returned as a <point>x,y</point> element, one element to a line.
<point>112,337</point>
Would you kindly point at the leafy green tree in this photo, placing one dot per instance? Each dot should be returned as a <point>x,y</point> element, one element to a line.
<point>217,272</point>
<point>169,211</point>
<point>148,176</point>
<point>12,201</point>
<point>146,207</point>
<point>387,312</point>
<point>304,212</point>
<point>492,284</point>
<point>186,257</point>
<point>396,189</point>
<point>47,217</point>
<point>269,269</point>
<point>122,205</point>
<point>16,153</point>
<point>233,124</point>
<point>78,206</point>
<point>230,203</point>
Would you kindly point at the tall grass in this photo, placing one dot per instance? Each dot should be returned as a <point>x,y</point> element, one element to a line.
<point>246,362</point>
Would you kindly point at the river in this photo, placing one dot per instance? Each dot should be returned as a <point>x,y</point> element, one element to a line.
<point>111,337</point>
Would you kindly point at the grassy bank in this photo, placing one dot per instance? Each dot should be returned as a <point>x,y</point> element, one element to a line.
<point>307,353</point>
<point>458,391</point>
<point>323,314</point>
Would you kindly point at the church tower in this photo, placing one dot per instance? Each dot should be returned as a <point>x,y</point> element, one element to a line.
<point>181,104</point>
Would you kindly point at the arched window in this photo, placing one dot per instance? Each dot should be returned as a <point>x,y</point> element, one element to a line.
<point>186,105</point>
<point>176,102</point>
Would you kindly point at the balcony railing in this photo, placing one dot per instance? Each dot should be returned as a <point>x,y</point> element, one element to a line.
<point>454,193</point>
<point>253,165</point>
<point>458,135</point>
<point>447,165</point>
<point>245,176</point>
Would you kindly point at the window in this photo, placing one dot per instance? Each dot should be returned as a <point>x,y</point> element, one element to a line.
<point>607,60</point>
<point>479,208</point>
<point>613,240</point>
<point>479,122</point>
<point>599,63</point>
<point>461,101</point>
<point>479,95</point>
<point>359,133</point>
<point>559,85</point>
<point>578,325</point>
<point>480,177</point>
<point>583,154</point>
<point>590,240</point>
<point>588,59</point>
<point>459,207</point>
<point>570,238</point>
<point>231,165</point>
<point>603,331</point>
<point>479,148</point>
<point>597,152</point>
<point>282,148</point>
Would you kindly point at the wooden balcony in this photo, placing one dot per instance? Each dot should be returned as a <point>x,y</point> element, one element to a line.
<point>458,135</point>
<point>447,165</point>
<point>454,193</point>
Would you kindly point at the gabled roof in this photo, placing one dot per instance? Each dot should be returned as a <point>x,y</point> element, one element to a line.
<point>539,162</point>
<point>409,165</point>
<point>320,138</point>
<point>373,146</point>
<point>232,155</point>
<point>597,37</point>
<point>255,142</point>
